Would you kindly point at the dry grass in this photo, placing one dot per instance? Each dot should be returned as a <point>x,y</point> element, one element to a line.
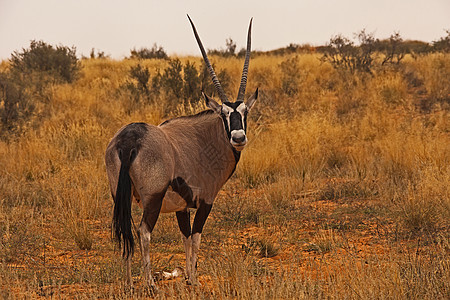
<point>341,193</point>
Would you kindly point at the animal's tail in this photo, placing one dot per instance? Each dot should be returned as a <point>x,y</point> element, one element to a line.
<point>122,204</point>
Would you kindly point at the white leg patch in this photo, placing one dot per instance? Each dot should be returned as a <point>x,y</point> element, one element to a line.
<point>188,250</point>
<point>196,237</point>
<point>145,248</point>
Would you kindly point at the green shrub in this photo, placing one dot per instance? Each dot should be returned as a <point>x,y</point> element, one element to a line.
<point>139,83</point>
<point>229,51</point>
<point>31,72</point>
<point>443,44</point>
<point>191,84</point>
<point>172,80</point>
<point>58,64</point>
<point>97,54</point>
<point>179,83</point>
<point>290,78</point>
<point>394,49</point>
<point>15,107</point>
<point>145,53</point>
<point>342,53</point>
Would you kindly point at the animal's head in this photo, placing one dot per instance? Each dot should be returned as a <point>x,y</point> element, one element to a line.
<point>234,114</point>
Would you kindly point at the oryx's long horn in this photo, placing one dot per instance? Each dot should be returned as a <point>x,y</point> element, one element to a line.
<point>213,75</point>
<point>243,85</point>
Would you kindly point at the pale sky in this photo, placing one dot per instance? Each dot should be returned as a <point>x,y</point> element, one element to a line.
<point>115,26</point>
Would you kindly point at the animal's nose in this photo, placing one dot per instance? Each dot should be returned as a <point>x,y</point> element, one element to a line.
<point>239,138</point>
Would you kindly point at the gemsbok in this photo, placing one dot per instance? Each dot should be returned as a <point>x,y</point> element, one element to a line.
<point>175,166</point>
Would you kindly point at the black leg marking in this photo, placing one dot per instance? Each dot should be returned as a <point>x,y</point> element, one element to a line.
<point>184,222</point>
<point>180,186</point>
<point>152,210</point>
<point>200,217</point>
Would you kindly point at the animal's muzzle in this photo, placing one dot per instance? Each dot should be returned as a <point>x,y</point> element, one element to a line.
<point>238,139</point>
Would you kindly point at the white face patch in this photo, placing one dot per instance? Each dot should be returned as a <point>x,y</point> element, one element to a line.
<point>227,111</point>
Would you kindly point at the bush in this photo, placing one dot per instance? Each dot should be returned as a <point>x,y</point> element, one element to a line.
<point>14,105</point>
<point>154,52</point>
<point>394,49</point>
<point>172,79</point>
<point>229,51</point>
<point>58,64</point>
<point>443,44</point>
<point>178,83</point>
<point>98,55</point>
<point>138,85</point>
<point>191,84</point>
<point>183,83</point>
<point>342,53</point>
<point>31,72</point>
<point>290,78</point>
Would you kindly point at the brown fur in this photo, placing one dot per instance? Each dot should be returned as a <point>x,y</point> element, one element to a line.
<point>181,163</point>
<point>195,148</point>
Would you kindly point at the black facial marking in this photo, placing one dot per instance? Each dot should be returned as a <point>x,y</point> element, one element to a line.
<point>245,121</point>
<point>235,118</point>
<point>225,123</point>
<point>236,121</point>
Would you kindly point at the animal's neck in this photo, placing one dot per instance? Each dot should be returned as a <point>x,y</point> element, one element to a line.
<point>220,139</point>
<point>214,137</point>
<point>202,139</point>
<point>220,132</point>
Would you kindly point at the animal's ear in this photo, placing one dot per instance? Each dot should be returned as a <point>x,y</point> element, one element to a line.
<point>211,103</point>
<point>252,100</point>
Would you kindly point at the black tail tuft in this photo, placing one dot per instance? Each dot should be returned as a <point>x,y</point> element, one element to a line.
<point>122,206</point>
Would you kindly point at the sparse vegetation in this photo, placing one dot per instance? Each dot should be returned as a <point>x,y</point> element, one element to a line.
<point>97,54</point>
<point>342,191</point>
<point>156,51</point>
<point>443,44</point>
<point>342,53</point>
<point>56,64</point>
<point>139,83</point>
<point>24,84</point>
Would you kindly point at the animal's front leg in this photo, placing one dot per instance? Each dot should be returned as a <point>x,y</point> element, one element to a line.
<point>195,242</point>
<point>199,221</point>
<point>184,224</point>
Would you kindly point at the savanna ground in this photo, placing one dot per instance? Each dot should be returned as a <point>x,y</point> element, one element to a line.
<point>342,191</point>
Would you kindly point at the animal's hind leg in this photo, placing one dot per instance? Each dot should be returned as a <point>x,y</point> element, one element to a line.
<point>145,233</point>
<point>149,217</point>
<point>129,278</point>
